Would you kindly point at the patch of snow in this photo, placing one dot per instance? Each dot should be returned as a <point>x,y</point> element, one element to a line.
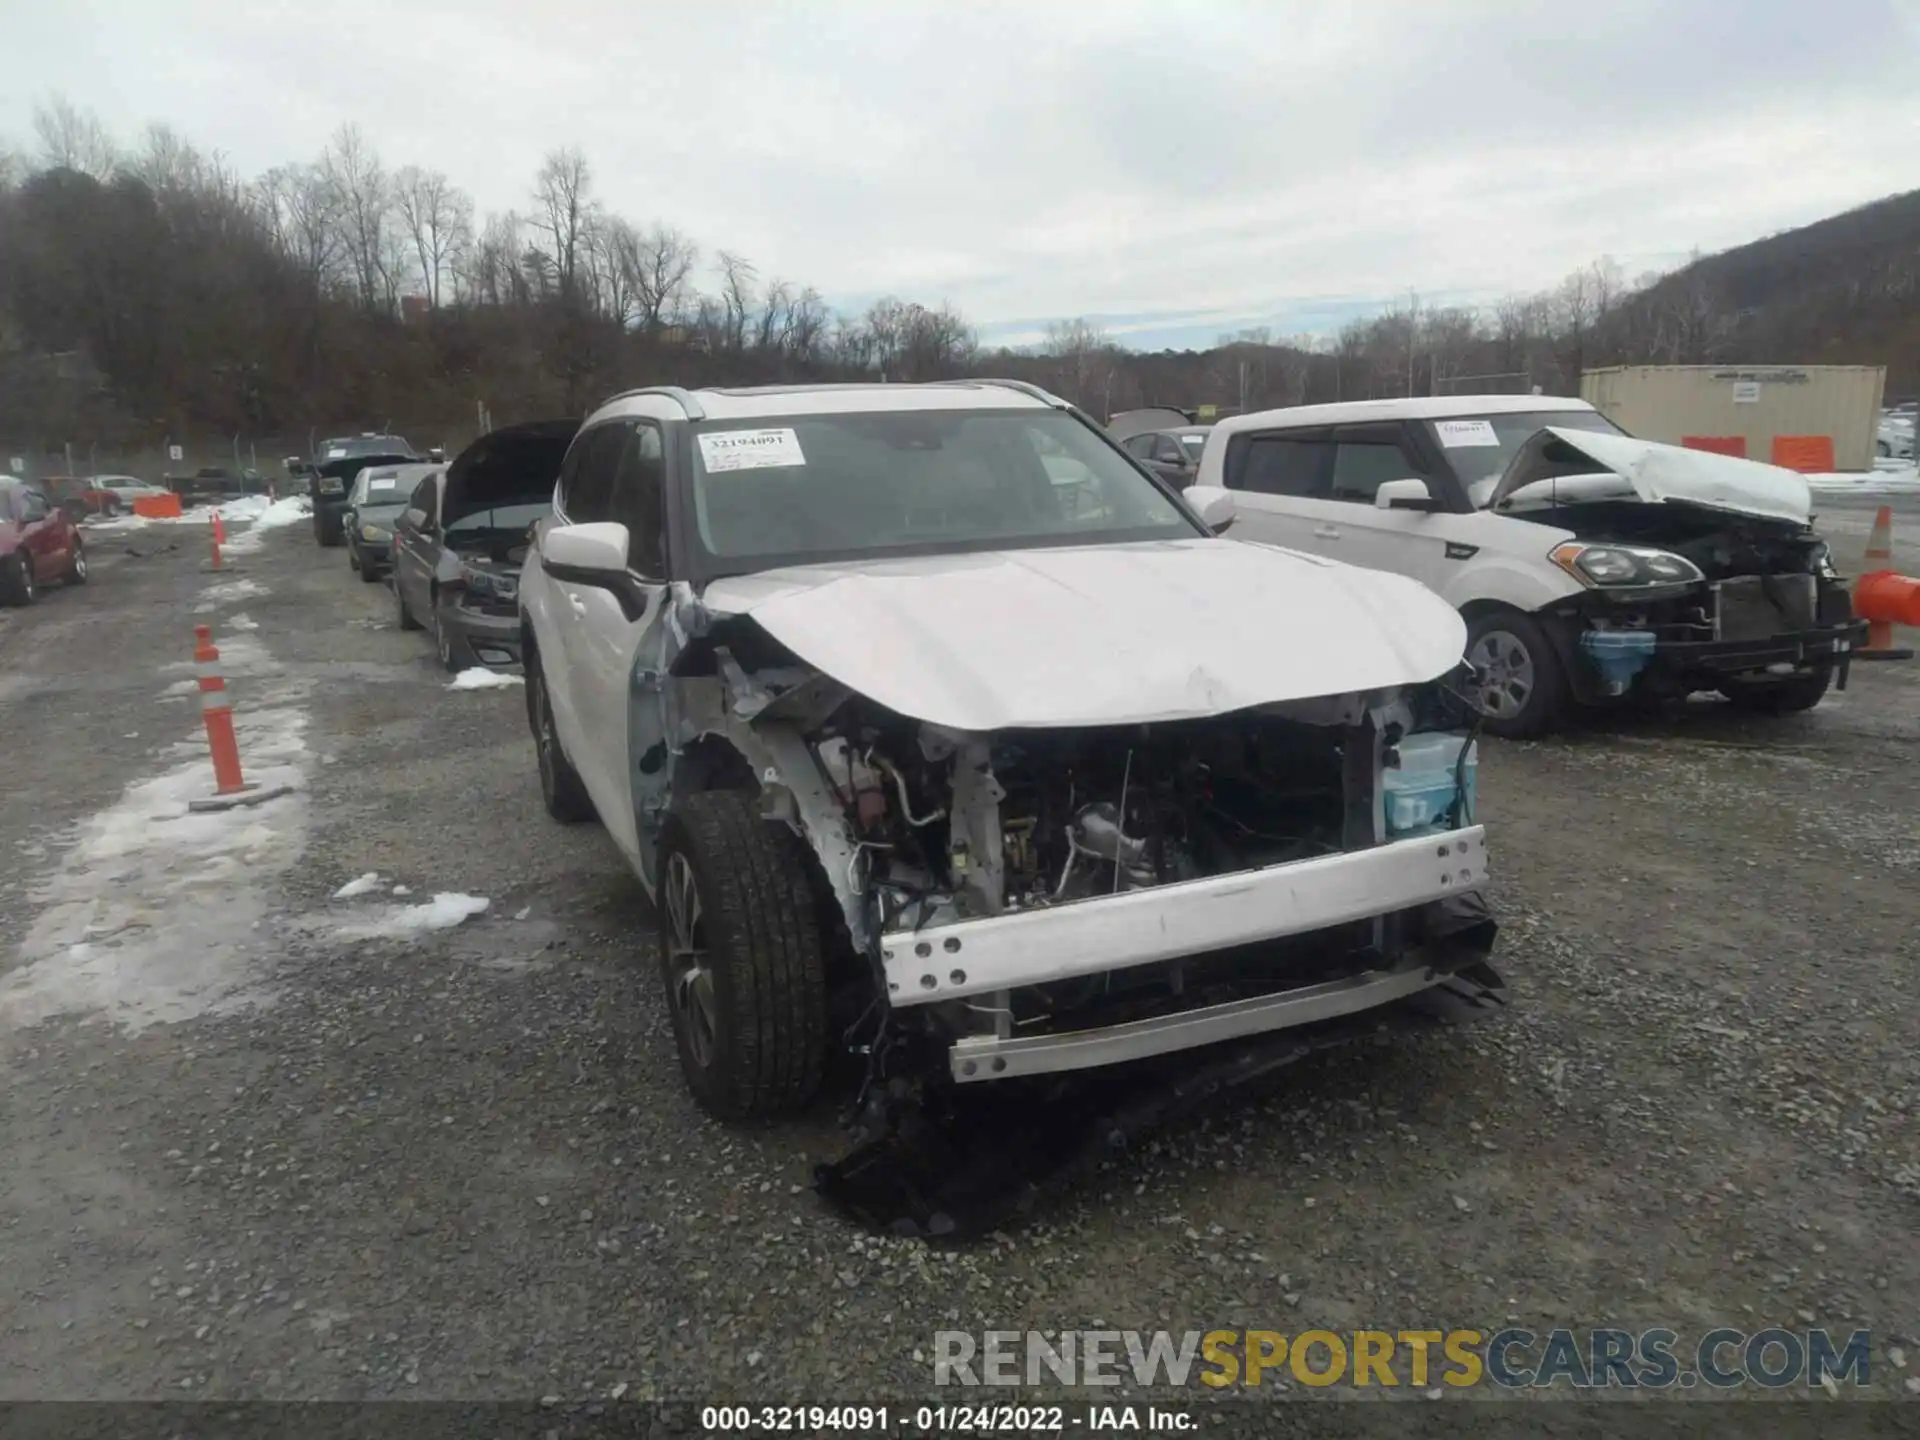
<point>228,592</point>
<point>366,884</point>
<point>480,678</point>
<point>242,622</point>
<point>443,912</point>
<point>265,515</point>
<point>155,912</point>
<point>402,890</point>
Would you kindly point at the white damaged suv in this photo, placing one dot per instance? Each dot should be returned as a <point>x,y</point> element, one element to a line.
<point>947,739</point>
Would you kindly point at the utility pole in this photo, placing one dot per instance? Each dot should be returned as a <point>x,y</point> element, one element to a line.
<point>1413,332</point>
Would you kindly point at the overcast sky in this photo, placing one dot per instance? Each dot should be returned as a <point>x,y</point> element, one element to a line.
<point>1176,169</point>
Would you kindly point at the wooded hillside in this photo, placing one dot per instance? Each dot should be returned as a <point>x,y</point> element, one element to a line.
<point>149,292</point>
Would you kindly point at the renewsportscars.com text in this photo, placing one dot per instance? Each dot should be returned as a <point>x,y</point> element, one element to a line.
<point>1512,1358</point>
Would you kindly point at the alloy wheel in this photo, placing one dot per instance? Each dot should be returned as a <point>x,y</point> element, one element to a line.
<point>689,977</point>
<point>1507,674</point>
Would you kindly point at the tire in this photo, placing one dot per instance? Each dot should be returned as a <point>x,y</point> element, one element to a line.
<point>1882,448</point>
<point>1527,694</point>
<point>402,616</point>
<point>561,788</point>
<point>1780,697</point>
<point>77,575</point>
<point>16,581</point>
<point>443,643</point>
<point>368,573</point>
<point>741,957</point>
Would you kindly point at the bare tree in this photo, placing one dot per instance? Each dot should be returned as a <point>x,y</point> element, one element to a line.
<point>74,139</point>
<point>363,199</point>
<point>438,217</point>
<point>736,300</point>
<point>664,261</point>
<point>563,202</point>
<point>300,209</point>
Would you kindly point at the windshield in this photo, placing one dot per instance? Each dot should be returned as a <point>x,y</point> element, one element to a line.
<point>1481,447</point>
<point>848,486</point>
<point>1193,443</point>
<point>483,527</point>
<point>341,468</point>
<point>388,487</point>
<point>384,447</point>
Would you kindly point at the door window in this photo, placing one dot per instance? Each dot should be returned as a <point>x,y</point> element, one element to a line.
<point>1295,465</point>
<point>33,506</point>
<point>1365,458</point>
<point>1167,451</point>
<point>637,497</point>
<point>423,499</point>
<point>587,475</point>
<point>1138,446</point>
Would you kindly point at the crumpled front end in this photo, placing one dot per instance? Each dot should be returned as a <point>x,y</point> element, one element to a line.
<point>1066,904</point>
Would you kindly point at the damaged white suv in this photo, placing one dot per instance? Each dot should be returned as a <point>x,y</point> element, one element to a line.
<point>947,739</point>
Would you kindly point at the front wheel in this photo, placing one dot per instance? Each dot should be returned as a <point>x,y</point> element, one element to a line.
<point>741,956</point>
<point>443,641</point>
<point>16,581</point>
<point>1779,697</point>
<point>77,574</point>
<point>561,789</point>
<point>402,615</point>
<point>1520,688</point>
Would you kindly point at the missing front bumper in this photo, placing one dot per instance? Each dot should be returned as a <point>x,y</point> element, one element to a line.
<point>1168,922</point>
<point>987,1057</point>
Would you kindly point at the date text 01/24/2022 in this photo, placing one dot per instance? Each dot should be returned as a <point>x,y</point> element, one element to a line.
<point>940,1419</point>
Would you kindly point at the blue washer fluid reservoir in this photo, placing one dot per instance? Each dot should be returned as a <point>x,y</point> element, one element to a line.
<point>1421,788</point>
<point>1618,655</point>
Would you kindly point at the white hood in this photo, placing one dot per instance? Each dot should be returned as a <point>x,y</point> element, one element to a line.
<point>1101,635</point>
<point>1658,473</point>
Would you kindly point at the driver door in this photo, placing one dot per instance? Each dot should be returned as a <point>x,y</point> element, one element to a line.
<point>617,646</point>
<point>413,548</point>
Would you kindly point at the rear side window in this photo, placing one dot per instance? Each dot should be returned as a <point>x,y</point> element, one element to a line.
<point>1280,464</point>
<point>422,499</point>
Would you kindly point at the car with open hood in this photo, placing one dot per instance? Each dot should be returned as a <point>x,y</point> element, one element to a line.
<point>1591,567</point>
<point>39,544</point>
<point>932,761</point>
<point>458,544</point>
<point>375,504</point>
<point>331,472</point>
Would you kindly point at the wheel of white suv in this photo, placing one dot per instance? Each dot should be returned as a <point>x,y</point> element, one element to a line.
<point>1522,690</point>
<point>561,788</point>
<point>741,956</point>
<point>1780,697</point>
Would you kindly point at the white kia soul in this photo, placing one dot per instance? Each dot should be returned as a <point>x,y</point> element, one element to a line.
<point>1590,566</point>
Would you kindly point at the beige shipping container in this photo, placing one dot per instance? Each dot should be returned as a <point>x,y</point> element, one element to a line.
<point>1754,405</point>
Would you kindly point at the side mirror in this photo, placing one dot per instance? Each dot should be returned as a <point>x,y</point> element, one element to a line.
<point>414,518</point>
<point>1405,495</point>
<point>1213,505</point>
<point>597,549</point>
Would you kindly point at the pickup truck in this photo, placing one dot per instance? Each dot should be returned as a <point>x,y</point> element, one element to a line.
<point>332,470</point>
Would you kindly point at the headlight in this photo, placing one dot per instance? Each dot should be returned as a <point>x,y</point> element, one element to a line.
<point>1823,562</point>
<point>1609,566</point>
<point>374,532</point>
<point>485,585</point>
<point>331,486</point>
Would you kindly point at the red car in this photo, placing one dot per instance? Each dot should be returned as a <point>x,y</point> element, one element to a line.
<point>38,544</point>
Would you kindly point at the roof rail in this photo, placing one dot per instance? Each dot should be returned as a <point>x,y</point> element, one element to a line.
<point>684,397</point>
<point>1024,387</point>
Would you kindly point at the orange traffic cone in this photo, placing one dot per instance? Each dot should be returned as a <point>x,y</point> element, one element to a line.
<point>1878,603</point>
<point>219,538</point>
<point>230,787</point>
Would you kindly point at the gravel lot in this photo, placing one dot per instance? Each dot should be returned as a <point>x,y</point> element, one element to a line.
<point>273,1149</point>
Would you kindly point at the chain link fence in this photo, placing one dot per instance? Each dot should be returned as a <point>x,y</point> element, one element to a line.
<point>182,456</point>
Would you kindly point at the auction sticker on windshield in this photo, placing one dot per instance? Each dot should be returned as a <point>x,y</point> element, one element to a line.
<point>1456,434</point>
<point>750,450</point>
